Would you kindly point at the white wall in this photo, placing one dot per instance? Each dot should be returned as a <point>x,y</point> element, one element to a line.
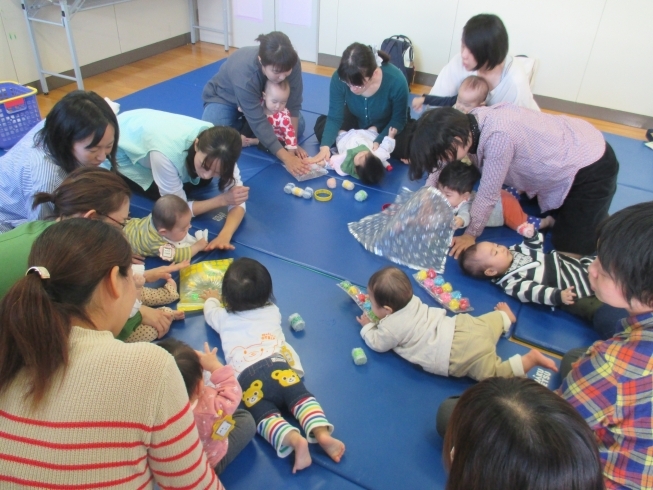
<point>589,51</point>
<point>99,34</point>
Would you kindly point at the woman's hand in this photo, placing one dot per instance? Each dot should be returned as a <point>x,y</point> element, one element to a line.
<point>392,132</point>
<point>293,163</point>
<point>209,358</point>
<point>159,319</point>
<point>323,156</point>
<point>221,242</point>
<point>237,195</point>
<point>418,104</point>
<point>300,152</point>
<point>460,244</point>
<point>164,272</point>
<point>138,259</point>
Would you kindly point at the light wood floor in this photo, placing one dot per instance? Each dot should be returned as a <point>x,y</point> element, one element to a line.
<point>150,71</point>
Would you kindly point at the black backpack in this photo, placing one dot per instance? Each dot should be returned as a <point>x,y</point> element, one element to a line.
<point>400,49</point>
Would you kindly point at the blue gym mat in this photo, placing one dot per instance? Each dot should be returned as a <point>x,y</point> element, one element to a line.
<point>349,394</point>
<point>385,410</point>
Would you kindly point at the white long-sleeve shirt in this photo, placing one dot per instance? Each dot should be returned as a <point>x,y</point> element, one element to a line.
<point>250,336</point>
<point>357,137</point>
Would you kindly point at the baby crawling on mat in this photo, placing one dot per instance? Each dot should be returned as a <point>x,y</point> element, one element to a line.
<point>268,369</point>
<point>460,346</point>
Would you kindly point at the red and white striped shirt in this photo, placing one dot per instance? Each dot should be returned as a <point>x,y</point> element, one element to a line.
<point>532,151</point>
<point>117,418</point>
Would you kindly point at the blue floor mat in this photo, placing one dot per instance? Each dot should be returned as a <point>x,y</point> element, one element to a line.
<point>351,395</point>
<point>369,405</point>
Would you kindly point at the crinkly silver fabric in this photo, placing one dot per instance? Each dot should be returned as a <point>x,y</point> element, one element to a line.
<point>415,231</point>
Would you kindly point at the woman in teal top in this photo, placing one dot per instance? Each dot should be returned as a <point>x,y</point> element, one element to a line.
<point>163,153</point>
<point>365,91</point>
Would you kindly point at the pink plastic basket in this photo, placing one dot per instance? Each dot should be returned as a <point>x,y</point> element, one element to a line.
<point>19,112</point>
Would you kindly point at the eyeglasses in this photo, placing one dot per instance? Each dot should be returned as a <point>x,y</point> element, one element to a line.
<point>121,225</point>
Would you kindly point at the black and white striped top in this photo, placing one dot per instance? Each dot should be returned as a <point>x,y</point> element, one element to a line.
<point>538,277</point>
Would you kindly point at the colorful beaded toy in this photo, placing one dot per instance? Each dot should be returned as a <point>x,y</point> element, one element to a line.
<point>360,298</point>
<point>442,291</point>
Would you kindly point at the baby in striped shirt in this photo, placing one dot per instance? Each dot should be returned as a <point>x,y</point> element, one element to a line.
<point>527,273</point>
<point>164,233</point>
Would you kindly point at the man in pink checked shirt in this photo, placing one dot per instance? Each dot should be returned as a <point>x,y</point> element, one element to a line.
<point>563,161</point>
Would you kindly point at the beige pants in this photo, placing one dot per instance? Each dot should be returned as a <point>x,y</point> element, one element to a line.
<point>474,347</point>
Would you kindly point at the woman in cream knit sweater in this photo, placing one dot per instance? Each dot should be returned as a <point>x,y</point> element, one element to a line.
<point>79,409</point>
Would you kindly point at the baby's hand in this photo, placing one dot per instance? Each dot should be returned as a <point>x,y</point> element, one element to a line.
<point>417,104</point>
<point>458,222</point>
<point>209,358</point>
<point>139,281</point>
<point>363,319</point>
<point>210,293</point>
<point>392,132</point>
<point>568,296</point>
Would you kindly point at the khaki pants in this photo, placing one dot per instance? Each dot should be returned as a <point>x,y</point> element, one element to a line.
<point>474,347</point>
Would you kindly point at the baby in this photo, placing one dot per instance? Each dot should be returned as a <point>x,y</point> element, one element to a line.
<point>527,273</point>
<point>460,346</point>
<point>357,158</point>
<point>274,99</point>
<point>456,182</point>
<point>471,94</point>
<point>268,369</point>
<point>164,233</point>
<point>213,404</point>
<point>149,297</point>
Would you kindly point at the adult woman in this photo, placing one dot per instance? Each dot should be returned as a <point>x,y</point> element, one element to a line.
<point>563,161</point>
<point>88,192</point>
<point>484,52</point>
<point>80,130</point>
<point>163,153</point>
<point>515,433</point>
<point>365,91</point>
<point>239,83</point>
<point>108,413</point>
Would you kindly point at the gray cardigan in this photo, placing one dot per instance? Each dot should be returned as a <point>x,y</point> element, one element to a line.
<point>240,83</point>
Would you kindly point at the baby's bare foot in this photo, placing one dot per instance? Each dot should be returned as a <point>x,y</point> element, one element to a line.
<point>333,447</point>
<point>536,358</point>
<point>300,445</point>
<point>506,309</point>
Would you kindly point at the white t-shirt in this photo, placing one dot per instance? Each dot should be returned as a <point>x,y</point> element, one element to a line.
<point>250,336</point>
<point>513,87</point>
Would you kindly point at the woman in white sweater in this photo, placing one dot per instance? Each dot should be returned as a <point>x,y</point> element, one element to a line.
<point>78,408</point>
<point>484,52</point>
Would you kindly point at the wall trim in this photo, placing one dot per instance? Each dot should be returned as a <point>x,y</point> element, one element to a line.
<point>549,103</point>
<point>116,61</point>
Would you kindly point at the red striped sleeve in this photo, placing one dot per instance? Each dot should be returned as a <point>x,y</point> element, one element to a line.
<point>100,424</point>
<point>71,467</point>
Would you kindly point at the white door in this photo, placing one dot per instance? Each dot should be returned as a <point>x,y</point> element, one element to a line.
<point>299,19</point>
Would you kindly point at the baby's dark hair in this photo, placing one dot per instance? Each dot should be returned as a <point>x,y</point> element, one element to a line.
<point>167,210</point>
<point>470,264</point>
<point>390,287</point>
<point>187,361</point>
<point>247,285</point>
<point>372,171</point>
<point>459,176</point>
